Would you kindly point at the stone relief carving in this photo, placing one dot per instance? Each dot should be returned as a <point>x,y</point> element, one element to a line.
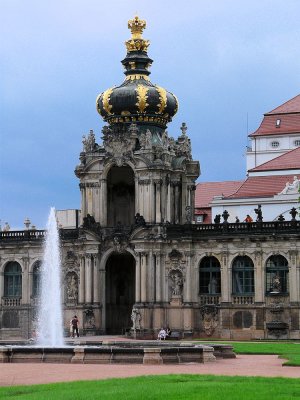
<point>119,144</point>
<point>209,315</point>
<point>89,319</point>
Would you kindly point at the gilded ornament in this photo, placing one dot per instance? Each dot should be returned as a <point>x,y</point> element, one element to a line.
<point>142,98</point>
<point>106,98</point>
<point>136,26</point>
<point>162,98</point>
<point>137,77</point>
<point>137,45</point>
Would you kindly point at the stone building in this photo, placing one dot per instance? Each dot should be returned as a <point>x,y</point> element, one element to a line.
<point>137,259</point>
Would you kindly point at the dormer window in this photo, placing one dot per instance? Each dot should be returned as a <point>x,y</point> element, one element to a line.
<point>278,122</point>
<point>275,143</point>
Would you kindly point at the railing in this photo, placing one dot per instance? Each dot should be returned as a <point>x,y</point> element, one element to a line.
<point>172,231</point>
<point>11,301</point>
<point>242,300</point>
<point>209,299</point>
<point>30,235</point>
<point>243,228</point>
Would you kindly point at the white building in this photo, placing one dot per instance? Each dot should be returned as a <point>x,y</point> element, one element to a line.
<point>273,164</point>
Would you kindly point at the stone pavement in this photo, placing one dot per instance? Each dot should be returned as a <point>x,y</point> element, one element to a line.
<point>243,365</point>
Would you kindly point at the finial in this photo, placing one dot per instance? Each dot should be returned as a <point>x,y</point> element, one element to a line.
<point>136,26</point>
<point>183,128</point>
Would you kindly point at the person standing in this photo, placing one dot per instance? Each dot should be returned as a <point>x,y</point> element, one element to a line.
<point>75,324</point>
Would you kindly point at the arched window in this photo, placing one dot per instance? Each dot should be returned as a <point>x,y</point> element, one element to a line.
<point>13,280</point>
<point>243,276</point>
<point>210,276</point>
<point>36,279</point>
<point>277,270</point>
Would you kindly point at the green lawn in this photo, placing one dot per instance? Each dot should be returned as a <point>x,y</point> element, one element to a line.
<point>169,387</point>
<point>287,350</point>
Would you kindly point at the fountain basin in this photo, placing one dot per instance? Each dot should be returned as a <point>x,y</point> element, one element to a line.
<point>120,353</point>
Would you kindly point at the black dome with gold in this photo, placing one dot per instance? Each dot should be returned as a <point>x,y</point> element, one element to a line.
<point>137,100</point>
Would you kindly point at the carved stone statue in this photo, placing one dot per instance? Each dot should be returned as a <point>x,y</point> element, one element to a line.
<point>217,219</point>
<point>72,288</point>
<point>89,142</point>
<point>258,212</point>
<point>148,144</point>
<point>136,319</point>
<point>139,220</point>
<point>209,315</point>
<point>291,188</point>
<point>188,214</point>
<point>177,284</point>
<point>276,284</point>
<point>89,319</point>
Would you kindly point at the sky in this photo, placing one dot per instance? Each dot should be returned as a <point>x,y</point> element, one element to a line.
<point>227,61</point>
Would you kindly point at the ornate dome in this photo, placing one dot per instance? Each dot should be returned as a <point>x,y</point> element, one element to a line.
<point>137,99</point>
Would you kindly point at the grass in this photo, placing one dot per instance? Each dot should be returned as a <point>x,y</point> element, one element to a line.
<point>287,350</point>
<point>171,387</point>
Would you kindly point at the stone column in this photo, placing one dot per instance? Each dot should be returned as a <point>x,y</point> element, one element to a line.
<point>258,278</point>
<point>103,203</point>
<point>294,293</point>
<point>225,279</point>
<point>168,201</point>
<point>188,281</point>
<point>1,281</point>
<point>96,201</point>
<point>158,278</point>
<point>157,201</point>
<point>151,202</point>
<point>151,278</point>
<point>177,203</point>
<point>138,279</point>
<point>88,278</point>
<point>137,198</point>
<point>143,277</point>
<point>102,296</point>
<point>82,280</point>
<point>25,281</point>
<point>96,283</point>
<point>83,206</point>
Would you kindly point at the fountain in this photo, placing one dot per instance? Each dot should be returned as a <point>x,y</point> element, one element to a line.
<point>50,325</point>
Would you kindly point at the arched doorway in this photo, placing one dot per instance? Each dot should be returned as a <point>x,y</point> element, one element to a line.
<point>120,291</point>
<point>120,196</point>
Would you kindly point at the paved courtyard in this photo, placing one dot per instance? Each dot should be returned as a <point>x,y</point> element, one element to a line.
<point>245,365</point>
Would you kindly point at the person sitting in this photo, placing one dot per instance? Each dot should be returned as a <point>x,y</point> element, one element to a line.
<point>248,219</point>
<point>168,332</point>
<point>161,334</point>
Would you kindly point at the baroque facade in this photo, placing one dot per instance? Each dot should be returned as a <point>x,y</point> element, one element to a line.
<point>138,260</point>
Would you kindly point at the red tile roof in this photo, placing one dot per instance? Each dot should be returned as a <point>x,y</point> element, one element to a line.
<point>207,190</point>
<point>262,186</point>
<point>289,116</point>
<point>289,160</point>
<point>290,106</point>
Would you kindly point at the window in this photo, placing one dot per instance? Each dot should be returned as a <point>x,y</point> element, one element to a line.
<point>199,219</point>
<point>275,143</point>
<point>277,270</point>
<point>13,280</point>
<point>243,276</point>
<point>36,279</point>
<point>278,122</point>
<point>210,276</point>
<point>297,142</point>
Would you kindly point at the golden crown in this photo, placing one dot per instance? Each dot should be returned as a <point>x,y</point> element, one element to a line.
<point>136,26</point>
